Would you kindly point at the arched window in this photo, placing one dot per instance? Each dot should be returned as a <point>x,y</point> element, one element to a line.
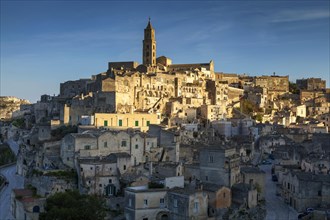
<point>36,209</point>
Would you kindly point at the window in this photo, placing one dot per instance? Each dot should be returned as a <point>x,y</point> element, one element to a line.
<point>319,193</point>
<point>120,122</point>
<point>211,158</point>
<point>130,202</point>
<point>100,185</point>
<point>105,123</point>
<point>110,180</point>
<point>105,144</point>
<point>195,206</point>
<point>67,158</point>
<point>162,201</point>
<point>87,147</point>
<point>145,202</point>
<point>124,167</point>
<point>224,195</point>
<point>175,203</point>
<point>91,168</point>
<point>148,123</point>
<point>136,123</point>
<point>123,143</point>
<point>206,178</point>
<point>136,146</point>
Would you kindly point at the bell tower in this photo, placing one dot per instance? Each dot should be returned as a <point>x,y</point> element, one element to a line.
<point>149,46</point>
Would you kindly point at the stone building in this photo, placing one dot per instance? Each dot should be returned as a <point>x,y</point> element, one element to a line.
<point>70,89</point>
<point>219,197</point>
<point>306,190</point>
<point>100,175</point>
<point>311,84</point>
<point>244,195</point>
<point>219,165</point>
<point>146,204</point>
<point>49,184</point>
<point>135,120</point>
<point>73,143</point>
<point>90,144</point>
<point>255,176</point>
<point>184,203</point>
<point>227,77</point>
<point>26,205</point>
<point>275,85</point>
<point>213,112</point>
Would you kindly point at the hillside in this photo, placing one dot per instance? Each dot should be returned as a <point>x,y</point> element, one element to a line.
<point>9,104</point>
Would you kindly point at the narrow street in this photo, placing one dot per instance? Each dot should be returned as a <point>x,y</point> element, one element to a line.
<point>275,206</point>
<point>15,181</point>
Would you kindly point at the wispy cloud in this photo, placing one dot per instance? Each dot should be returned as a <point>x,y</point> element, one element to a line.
<point>300,15</point>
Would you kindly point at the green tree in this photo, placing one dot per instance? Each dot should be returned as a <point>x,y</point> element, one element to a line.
<point>60,132</point>
<point>6,155</point>
<point>19,123</point>
<point>71,205</point>
<point>293,88</point>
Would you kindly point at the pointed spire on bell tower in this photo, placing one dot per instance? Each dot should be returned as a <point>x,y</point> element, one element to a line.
<point>149,45</point>
<point>149,24</point>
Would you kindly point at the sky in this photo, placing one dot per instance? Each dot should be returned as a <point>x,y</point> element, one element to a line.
<point>44,43</point>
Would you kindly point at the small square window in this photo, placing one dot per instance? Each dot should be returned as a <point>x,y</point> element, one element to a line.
<point>123,143</point>
<point>145,202</point>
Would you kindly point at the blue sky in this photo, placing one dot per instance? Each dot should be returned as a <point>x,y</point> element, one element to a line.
<point>44,43</point>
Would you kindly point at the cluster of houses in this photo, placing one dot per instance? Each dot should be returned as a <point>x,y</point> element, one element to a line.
<point>175,141</point>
